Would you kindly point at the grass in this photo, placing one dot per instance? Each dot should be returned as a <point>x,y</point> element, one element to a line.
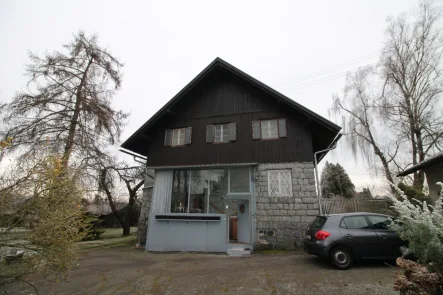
<point>112,237</point>
<point>111,233</point>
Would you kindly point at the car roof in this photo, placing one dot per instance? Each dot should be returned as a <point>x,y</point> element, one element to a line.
<point>353,214</point>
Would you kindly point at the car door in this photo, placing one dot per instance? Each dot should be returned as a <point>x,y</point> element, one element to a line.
<point>388,241</point>
<point>358,234</point>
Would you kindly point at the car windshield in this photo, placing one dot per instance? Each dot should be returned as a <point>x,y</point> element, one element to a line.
<point>318,222</point>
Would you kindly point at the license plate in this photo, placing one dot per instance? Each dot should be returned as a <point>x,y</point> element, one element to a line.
<point>308,237</point>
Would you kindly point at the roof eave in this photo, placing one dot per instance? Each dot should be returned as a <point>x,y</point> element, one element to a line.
<point>424,164</point>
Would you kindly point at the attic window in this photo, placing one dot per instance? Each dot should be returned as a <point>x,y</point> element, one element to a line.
<point>269,129</point>
<point>221,133</point>
<point>178,137</point>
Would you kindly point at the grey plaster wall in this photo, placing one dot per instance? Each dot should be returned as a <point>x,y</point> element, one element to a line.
<point>182,235</point>
<point>288,216</point>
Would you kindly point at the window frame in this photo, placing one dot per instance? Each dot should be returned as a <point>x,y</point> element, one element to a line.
<point>178,140</point>
<point>261,129</point>
<point>229,183</point>
<point>279,183</point>
<point>364,217</point>
<point>372,224</point>
<point>228,193</point>
<point>222,125</point>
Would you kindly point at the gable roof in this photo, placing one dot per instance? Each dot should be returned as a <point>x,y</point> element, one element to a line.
<point>429,161</point>
<point>218,62</point>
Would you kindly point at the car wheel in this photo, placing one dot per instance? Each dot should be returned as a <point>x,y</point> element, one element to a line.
<point>341,257</point>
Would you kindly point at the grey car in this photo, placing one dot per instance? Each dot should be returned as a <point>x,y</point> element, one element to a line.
<point>344,238</point>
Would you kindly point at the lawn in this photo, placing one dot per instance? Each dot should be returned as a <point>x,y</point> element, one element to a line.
<point>116,232</point>
<point>110,238</point>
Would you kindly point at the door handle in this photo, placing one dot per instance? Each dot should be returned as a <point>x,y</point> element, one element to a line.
<point>383,237</point>
<point>348,235</point>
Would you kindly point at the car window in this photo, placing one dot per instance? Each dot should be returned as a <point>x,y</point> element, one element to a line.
<point>380,222</point>
<point>342,223</point>
<point>356,222</point>
<point>318,222</point>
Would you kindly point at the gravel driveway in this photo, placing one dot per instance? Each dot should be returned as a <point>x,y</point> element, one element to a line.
<point>126,270</point>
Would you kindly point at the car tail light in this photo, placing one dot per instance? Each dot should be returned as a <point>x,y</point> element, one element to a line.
<point>321,235</point>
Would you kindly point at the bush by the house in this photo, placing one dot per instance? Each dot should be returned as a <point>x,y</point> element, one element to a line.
<point>421,226</point>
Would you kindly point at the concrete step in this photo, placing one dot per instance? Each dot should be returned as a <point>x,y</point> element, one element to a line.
<point>239,251</point>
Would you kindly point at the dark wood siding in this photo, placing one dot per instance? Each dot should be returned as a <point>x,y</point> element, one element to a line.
<point>222,99</point>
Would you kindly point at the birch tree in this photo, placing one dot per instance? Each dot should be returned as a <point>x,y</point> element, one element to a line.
<point>391,113</point>
<point>67,104</point>
<point>411,70</point>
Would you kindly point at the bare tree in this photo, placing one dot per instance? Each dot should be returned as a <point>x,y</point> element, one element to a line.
<point>411,68</point>
<point>358,109</point>
<point>133,178</point>
<point>392,114</point>
<point>67,105</point>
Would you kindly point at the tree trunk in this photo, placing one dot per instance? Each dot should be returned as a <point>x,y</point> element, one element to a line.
<point>112,205</point>
<point>74,120</point>
<point>129,214</point>
<point>126,229</point>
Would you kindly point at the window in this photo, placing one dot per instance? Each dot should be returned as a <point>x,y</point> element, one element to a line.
<point>178,137</point>
<point>356,222</point>
<point>269,129</point>
<point>239,180</point>
<point>380,222</point>
<point>205,190</point>
<point>179,198</point>
<point>280,183</point>
<point>221,133</point>
<point>318,222</point>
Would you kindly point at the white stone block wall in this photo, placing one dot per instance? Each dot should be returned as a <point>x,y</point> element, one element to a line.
<point>144,212</point>
<point>288,216</point>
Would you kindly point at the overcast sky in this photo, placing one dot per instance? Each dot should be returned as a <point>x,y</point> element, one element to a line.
<point>165,44</point>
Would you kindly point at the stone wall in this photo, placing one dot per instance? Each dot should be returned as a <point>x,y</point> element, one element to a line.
<point>144,211</point>
<point>288,216</point>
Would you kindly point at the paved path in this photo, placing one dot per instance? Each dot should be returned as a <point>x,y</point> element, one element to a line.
<point>126,270</point>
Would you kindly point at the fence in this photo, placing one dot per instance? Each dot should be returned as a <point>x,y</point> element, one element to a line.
<point>343,205</point>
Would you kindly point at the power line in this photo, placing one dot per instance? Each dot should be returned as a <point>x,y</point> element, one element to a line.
<point>312,75</point>
<point>330,69</point>
<point>322,80</point>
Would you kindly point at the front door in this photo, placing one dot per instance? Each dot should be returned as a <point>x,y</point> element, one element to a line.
<point>243,222</point>
<point>239,221</point>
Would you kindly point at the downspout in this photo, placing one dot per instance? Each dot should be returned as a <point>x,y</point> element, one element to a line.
<point>332,146</point>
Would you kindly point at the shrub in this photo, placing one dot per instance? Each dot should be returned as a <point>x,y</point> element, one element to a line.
<point>421,226</point>
<point>414,195</point>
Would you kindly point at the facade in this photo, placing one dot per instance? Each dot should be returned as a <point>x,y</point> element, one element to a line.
<point>233,162</point>
<point>433,168</point>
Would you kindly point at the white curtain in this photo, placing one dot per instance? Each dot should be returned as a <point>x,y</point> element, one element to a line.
<point>161,198</point>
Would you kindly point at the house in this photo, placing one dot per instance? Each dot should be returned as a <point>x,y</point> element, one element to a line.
<point>233,161</point>
<point>433,168</point>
